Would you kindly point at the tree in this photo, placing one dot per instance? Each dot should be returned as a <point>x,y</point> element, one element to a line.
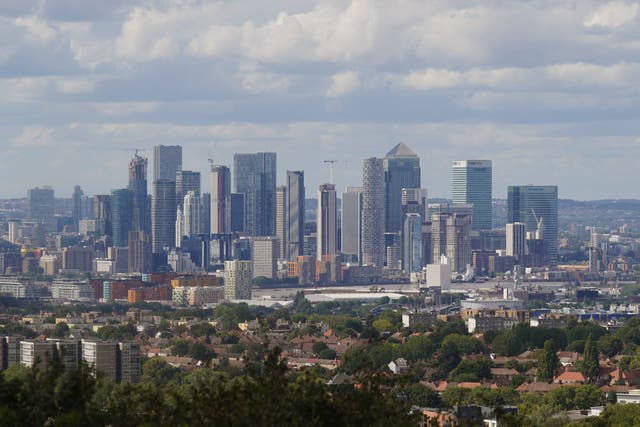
<point>547,362</point>
<point>609,345</point>
<point>590,360</point>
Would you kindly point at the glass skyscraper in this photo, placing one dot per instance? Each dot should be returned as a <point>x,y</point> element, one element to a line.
<point>294,227</point>
<point>167,160</point>
<point>472,184</point>
<point>401,170</point>
<point>373,249</point>
<point>138,186</point>
<point>121,201</point>
<point>255,177</point>
<point>533,205</point>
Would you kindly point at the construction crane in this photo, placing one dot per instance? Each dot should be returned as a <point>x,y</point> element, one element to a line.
<point>210,160</point>
<point>331,163</point>
<point>539,224</point>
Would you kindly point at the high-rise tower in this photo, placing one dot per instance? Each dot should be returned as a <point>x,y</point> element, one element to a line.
<point>186,181</point>
<point>163,214</point>
<point>220,199</point>
<point>294,228</point>
<point>138,186</point>
<point>167,160</point>
<point>537,207</point>
<point>351,224</point>
<point>401,170</point>
<point>373,216</point>
<point>472,183</point>
<point>327,224</point>
<point>255,177</point>
<point>121,209</point>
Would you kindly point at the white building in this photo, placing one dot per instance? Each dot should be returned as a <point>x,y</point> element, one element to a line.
<point>264,254</point>
<point>71,290</point>
<point>237,280</point>
<point>439,274</point>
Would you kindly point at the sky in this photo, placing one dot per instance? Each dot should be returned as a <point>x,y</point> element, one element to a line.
<point>547,89</point>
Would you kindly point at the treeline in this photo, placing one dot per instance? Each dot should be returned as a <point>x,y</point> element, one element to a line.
<point>263,396</point>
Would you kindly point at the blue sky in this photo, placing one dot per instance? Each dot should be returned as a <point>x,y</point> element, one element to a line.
<point>546,89</point>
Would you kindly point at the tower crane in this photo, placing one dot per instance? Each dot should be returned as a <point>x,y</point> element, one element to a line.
<point>331,163</point>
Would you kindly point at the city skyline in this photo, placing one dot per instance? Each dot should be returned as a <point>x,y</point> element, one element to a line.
<point>87,83</point>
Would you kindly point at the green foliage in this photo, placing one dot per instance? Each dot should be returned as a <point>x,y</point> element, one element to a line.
<point>547,362</point>
<point>158,372</point>
<point>479,368</point>
<point>590,362</point>
<point>327,353</point>
<point>610,345</point>
<point>117,333</point>
<point>464,343</point>
<point>417,395</point>
<point>202,329</point>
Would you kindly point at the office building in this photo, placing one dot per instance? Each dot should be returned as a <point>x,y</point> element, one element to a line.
<point>206,214</point>
<point>281,220</point>
<point>264,252</point>
<point>186,181</point>
<point>163,215</point>
<point>138,188</point>
<point>351,223</point>
<point>451,237</point>
<point>139,254</point>
<point>472,184</point>
<point>401,170</point>
<point>237,213</point>
<point>237,280</point>
<point>537,207</point>
<point>102,213</point>
<point>129,362</point>
<point>41,205</point>
<point>77,206</point>
<point>167,161</point>
<point>412,243</point>
<point>101,356</point>
<point>415,200</point>
<point>77,259</point>
<point>255,177</point>
<point>121,203</point>
<point>220,200</point>
<point>516,239</point>
<point>373,216</point>
<point>295,214</point>
<point>327,222</point>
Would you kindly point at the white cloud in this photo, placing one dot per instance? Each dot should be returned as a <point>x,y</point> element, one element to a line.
<point>75,86</point>
<point>34,136</point>
<point>37,29</point>
<point>614,14</point>
<point>125,108</point>
<point>343,83</point>
<point>256,82</point>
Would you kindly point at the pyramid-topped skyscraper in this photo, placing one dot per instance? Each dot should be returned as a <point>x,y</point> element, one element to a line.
<point>401,170</point>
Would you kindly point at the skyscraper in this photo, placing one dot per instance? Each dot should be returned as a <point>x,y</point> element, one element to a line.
<point>163,214</point>
<point>220,200</point>
<point>121,216</point>
<point>102,213</point>
<point>327,224</point>
<point>281,220</point>
<point>412,243</point>
<point>186,181</point>
<point>167,160</point>
<point>401,170</point>
<point>138,188</point>
<point>472,183</point>
<point>351,224</point>
<point>41,207</point>
<point>294,228</point>
<point>263,256</point>
<point>76,205</point>
<point>450,236</point>
<point>192,211</point>
<point>516,239</point>
<point>237,212</point>
<point>139,252</point>
<point>415,200</point>
<point>373,217</point>
<point>537,207</point>
<point>255,177</point>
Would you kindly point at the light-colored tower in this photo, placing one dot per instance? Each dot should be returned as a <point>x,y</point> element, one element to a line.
<point>516,239</point>
<point>327,224</point>
<point>192,211</point>
<point>472,183</point>
<point>237,280</point>
<point>220,200</point>
<point>186,181</point>
<point>351,225</point>
<point>14,230</point>
<point>263,256</point>
<point>450,236</point>
<point>281,220</point>
<point>294,228</point>
<point>373,215</point>
<point>179,227</point>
